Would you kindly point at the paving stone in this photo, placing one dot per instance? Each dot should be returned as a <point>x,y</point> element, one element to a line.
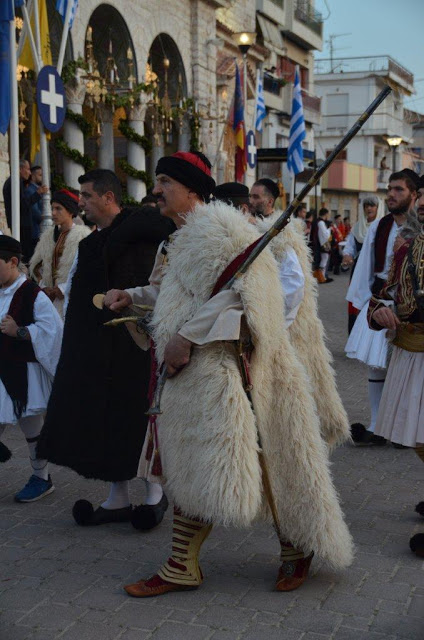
<point>52,616</point>
<point>341,603</point>
<point>60,580</point>
<point>180,631</point>
<point>140,615</point>
<point>344,633</point>
<point>416,607</point>
<point>231,618</point>
<point>386,590</point>
<point>87,631</point>
<point>324,622</point>
<point>265,632</point>
<point>399,626</point>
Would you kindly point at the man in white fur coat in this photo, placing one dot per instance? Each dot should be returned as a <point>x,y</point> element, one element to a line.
<point>207,433</point>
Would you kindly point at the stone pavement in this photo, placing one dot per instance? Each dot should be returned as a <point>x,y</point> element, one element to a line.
<point>61,581</point>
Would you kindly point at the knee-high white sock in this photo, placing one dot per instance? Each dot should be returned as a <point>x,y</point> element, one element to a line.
<point>154,492</point>
<point>31,428</point>
<point>376,378</point>
<point>119,496</point>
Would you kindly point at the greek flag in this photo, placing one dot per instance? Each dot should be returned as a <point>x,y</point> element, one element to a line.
<point>297,130</point>
<point>62,5</point>
<point>260,105</point>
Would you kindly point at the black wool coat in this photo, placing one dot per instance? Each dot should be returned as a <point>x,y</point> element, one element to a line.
<point>96,422</point>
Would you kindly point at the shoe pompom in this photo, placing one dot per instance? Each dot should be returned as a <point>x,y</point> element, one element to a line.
<point>357,431</point>
<point>83,512</point>
<point>5,453</point>
<point>416,544</point>
<point>144,517</point>
<point>420,508</point>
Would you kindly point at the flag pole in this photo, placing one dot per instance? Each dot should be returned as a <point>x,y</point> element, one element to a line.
<point>46,218</point>
<point>14,134</point>
<point>258,72</point>
<point>64,40</point>
<point>28,9</point>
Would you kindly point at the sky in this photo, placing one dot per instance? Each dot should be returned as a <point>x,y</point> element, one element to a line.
<point>378,27</point>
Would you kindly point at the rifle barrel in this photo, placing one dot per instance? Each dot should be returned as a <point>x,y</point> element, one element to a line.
<point>284,219</point>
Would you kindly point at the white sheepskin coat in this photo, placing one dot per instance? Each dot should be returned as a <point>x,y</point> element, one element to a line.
<point>207,433</point>
<point>307,335</point>
<point>44,254</point>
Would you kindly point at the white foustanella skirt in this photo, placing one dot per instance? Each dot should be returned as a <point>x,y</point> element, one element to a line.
<point>366,345</point>
<point>401,414</point>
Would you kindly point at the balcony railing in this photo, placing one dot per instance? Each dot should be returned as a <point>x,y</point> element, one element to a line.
<point>363,64</point>
<point>305,12</point>
<point>311,102</point>
<point>273,84</point>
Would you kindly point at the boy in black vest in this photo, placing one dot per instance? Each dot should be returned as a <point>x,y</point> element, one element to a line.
<point>30,339</point>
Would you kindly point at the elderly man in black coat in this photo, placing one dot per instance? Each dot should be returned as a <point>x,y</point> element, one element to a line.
<point>95,422</point>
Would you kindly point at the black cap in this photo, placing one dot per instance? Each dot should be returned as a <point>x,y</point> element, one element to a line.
<point>272,186</point>
<point>229,190</point>
<point>412,175</point>
<point>10,247</point>
<point>420,184</point>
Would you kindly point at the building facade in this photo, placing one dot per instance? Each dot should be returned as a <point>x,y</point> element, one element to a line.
<point>346,87</point>
<point>146,78</point>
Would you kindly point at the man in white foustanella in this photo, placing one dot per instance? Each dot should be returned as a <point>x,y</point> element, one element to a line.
<point>368,279</point>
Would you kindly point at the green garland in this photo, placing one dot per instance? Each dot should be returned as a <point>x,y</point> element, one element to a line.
<point>135,173</point>
<point>131,135</point>
<point>73,154</point>
<point>80,121</point>
<point>129,201</point>
<point>70,69</point>
<point>131,97</point>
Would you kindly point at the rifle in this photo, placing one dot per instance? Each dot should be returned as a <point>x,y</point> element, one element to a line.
<point>252,252</point>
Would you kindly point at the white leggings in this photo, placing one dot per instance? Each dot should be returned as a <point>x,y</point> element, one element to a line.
<point>31,428</point>
<point>324,260</point>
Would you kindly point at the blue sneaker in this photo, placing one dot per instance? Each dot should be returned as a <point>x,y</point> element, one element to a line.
<point>35,489</point>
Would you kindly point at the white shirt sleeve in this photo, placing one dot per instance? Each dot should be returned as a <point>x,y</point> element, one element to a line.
<point>66,288</point>
<point>359,291</point>
<point>323,232</point>
<point>350,246</point>
<point>46,333</point>
<point>218,319</point>
<point>293,284</point>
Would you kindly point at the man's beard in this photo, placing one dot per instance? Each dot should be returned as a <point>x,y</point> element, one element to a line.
<point>401,208</point>
<point>420,216</point>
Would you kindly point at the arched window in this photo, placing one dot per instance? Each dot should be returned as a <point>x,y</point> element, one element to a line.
<point>110,35</point>
<point>166,62</point>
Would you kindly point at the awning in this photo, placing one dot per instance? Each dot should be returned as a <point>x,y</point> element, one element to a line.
<point>271,33</point>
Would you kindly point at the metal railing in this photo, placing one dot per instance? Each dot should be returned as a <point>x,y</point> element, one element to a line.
<point>363,63</point>
<point>306,13</point>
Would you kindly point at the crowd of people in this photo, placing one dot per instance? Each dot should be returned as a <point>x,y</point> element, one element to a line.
<point>242,432</point>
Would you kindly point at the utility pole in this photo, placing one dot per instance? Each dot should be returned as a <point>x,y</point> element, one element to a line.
<point>330,40</point>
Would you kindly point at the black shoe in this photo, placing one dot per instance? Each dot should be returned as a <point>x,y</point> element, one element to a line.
<point>416,544</point>
<point>328,280</point>
<point>5,452</point>
<point>420,508</point>
<point>399,446</point>
<point>363,437</point>
<point>85,516</point>
<point>148,516</point>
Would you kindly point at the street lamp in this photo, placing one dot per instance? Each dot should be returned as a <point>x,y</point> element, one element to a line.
<point>394,142</point>
<point>244,41</point>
